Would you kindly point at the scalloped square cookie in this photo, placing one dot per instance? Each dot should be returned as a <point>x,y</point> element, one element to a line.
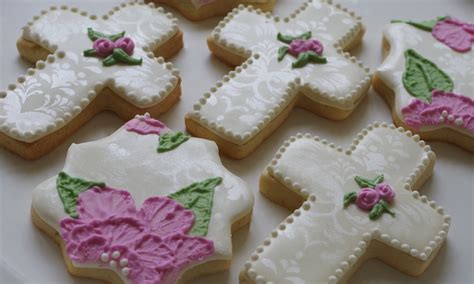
<point>144,205</point>
<point>427,78</point>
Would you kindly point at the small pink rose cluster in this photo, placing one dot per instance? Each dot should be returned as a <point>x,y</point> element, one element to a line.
<point>105,47</point>
<point>298,46</point>
<point>367,197</point>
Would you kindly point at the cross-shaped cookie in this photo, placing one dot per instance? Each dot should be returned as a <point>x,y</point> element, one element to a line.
<point>83,74</point>
<point>351,205</point>
<point>144,205</point>
<point>292,61</point>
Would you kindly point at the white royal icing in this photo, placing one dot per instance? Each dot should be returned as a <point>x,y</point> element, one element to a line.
<point>247,99</point>
<point>200,3</point>
<point>51,95</point>
<point>321,241</point>
<point>458,65</point>
<point>129,161</point>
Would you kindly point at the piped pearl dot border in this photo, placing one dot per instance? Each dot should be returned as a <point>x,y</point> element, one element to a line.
<point>57,55</point>
<point>368,236</point>
<point>347,102</point>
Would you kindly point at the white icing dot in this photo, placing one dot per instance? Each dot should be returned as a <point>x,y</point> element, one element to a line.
<point>125,271</point>
<point>459,122</point>
<point>113,263</point>
<point>104,257</point>
<point>123,262</point>
<point>116,254</point>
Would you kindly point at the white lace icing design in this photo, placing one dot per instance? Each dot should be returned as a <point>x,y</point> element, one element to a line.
<point>52,94</point>
<point>459,66</point>
<point>247,99</point>
<point>129,161</point>
<point>321,241</point>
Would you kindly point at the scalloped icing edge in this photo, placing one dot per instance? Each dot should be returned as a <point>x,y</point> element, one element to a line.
<point>349,102</point>
<point>250,274</point>
<point>57,55</point>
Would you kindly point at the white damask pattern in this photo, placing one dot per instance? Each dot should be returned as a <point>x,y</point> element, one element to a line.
<point>322,240</point>
<point>260,89</point>
<point>51,95</point>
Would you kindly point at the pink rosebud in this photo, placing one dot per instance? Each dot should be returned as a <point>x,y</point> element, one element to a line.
<point>103,47</point>
<point>386,192</point>
<point>298,46</point>
<point>126,44</point>
<point>367,198</point>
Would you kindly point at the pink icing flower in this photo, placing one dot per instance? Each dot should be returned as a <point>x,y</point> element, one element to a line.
<point>126,44</point>
<point>367,198</point>
<point>149,245</point>
<point>456,34</point>
<point>103,47</point>
<point>298,46</point>
<point>445,108</point>
<point>386,192</point>
<point>145,125</point>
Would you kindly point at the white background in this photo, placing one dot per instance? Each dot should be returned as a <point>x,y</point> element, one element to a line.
<point>28,256</point>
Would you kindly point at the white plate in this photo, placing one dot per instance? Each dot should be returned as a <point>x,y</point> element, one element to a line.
<point>28,256</point>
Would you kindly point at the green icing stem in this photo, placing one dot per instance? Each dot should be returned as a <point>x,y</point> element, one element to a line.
<point>95,35</point>
<point>423,25</point>
<point>121,56</point>
<point>422,76</point>
<point>69,189</point>
<point>198,197</point>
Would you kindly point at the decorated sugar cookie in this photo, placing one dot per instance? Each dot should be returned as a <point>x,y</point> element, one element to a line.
<point>297,61</point>
<point>144,205</point>
<point>351,205</point>
<point>90,64</point>
<point>201,9</point>
<point>427,78</point>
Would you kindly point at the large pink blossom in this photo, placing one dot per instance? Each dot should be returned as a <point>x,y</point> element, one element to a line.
<point>445,109</point>
<point>149,245</point>
<point>454,33</point>
<point>298,46</point>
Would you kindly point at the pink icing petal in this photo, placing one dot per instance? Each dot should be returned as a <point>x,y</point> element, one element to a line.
<point>458,110</point>
<point>120,230</point>
<point>67,224</point>
<point>88,250</point>
<point>82,232</point>
<point>101,203</point>
<point>145,126</point>
<point>455,34</point>
<point>164,216</point>
<point>187,249</point>
<point>126,44</point>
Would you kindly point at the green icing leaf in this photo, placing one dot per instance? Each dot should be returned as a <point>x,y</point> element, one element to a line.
<point>380,208</point>
<point>288,39</point>
<point>171,140</point>
<point>95,35</point>
<point>364,182</point>
<point>423,25</point>
<point>90,52</point>
<point>198,197</point>
<point>376,211</point>
<point>120,55</point>
<point>422,76</point>
<point>69,189</point>
<point>349,198</point>
<point>109,60</point>
<point>316,58</point>
<point>301,61</point>
<point>282,51</point>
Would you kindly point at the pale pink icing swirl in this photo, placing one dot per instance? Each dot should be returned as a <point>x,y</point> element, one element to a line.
<point>445,109</point>
<point>145,125</point>
<point>147,246</point>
